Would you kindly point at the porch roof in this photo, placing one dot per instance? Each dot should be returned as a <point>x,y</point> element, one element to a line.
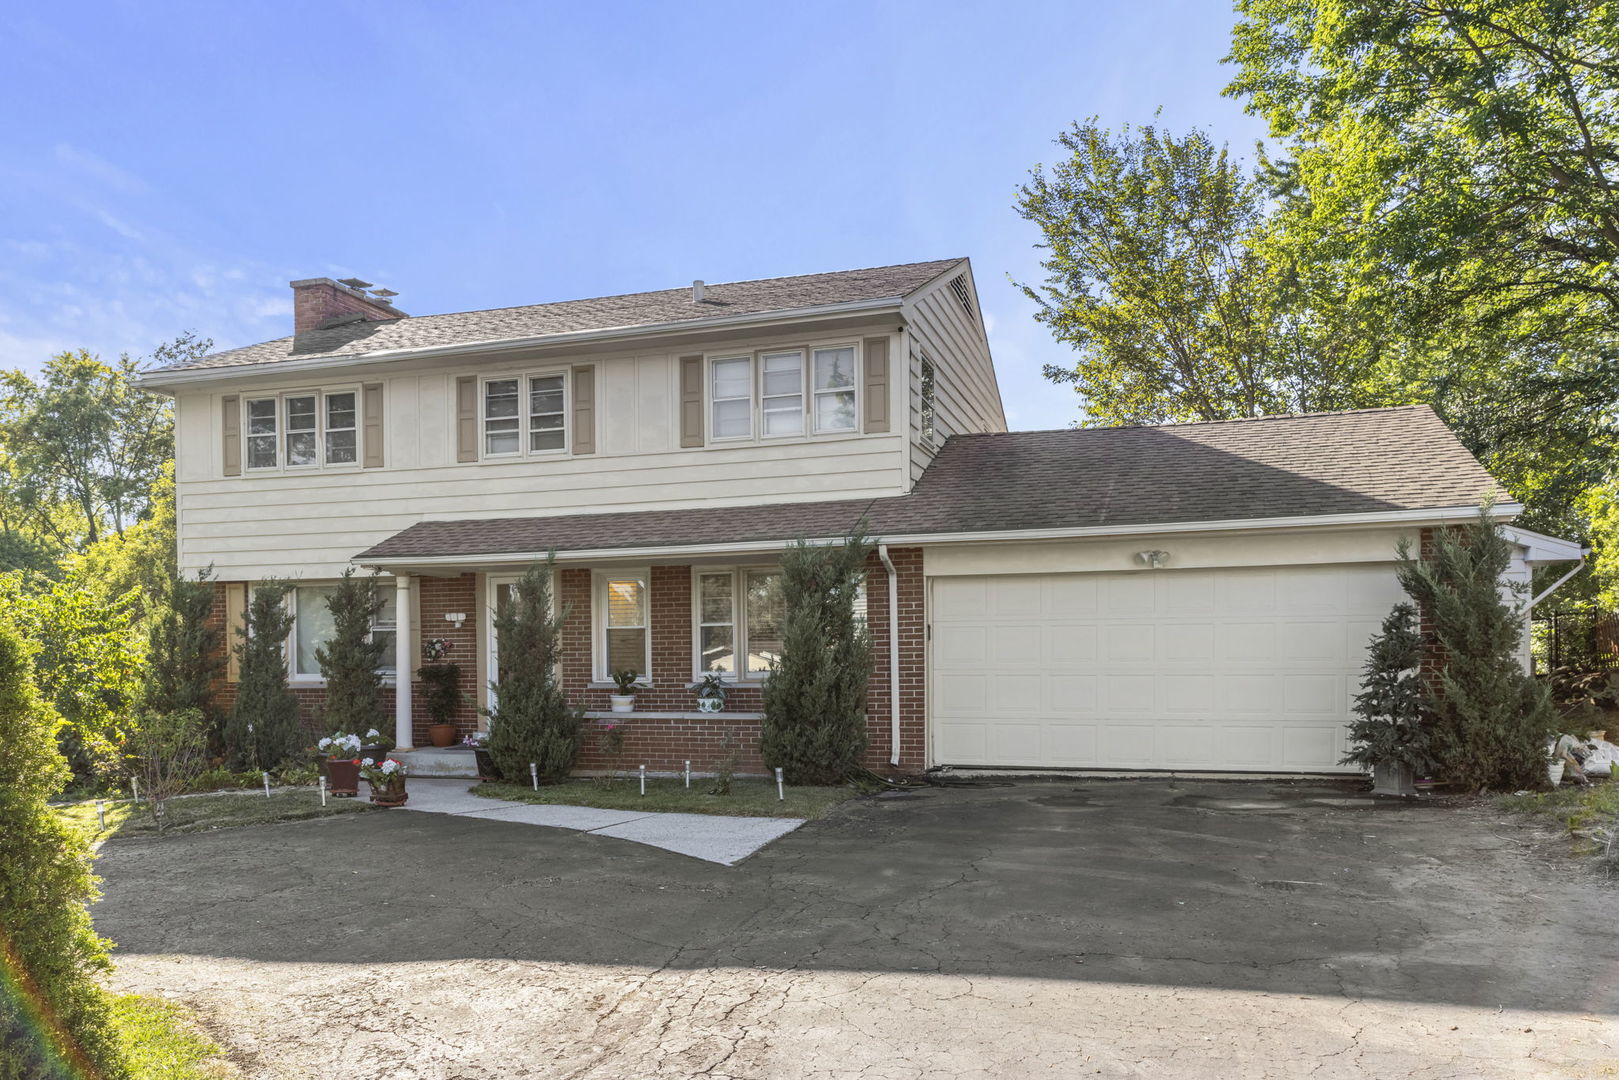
<point>1370,465</point>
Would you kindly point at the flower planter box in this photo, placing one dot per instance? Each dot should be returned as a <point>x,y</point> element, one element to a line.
<point>343,777</point>
<point>1391,779</point>
<point>486,765</point>
<point>390,794</point>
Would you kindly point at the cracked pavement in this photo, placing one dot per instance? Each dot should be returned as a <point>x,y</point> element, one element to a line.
<point>1155,928</point>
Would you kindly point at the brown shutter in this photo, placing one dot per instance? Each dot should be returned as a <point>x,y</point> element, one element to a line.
<point>876,406</point>
<point>232,437</point>
<point>235,619</point>
<point>466,418</point>
<point>691,401</point>
<point>584,410</point>
<point>373,425</point>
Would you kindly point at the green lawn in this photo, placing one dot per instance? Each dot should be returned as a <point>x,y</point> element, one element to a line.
<point>201,813</point>
<point>752,798</point>
<point>162,1043</point>
<point>1588,813</point>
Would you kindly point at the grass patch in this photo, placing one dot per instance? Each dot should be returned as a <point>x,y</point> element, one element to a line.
<point>749,798</point>
<point>203,813</point>
<point>1589,814</point>
<point>162,1042</point>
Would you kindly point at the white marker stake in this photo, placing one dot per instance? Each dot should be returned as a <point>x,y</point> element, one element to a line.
<point>534,774</point>
<point>643,779</point>
<point>781,795</point>
<point>135,786</point>
<point>323,791</point>
<point>688,774</point>
<point>266,785</point>
<point>101,817</point>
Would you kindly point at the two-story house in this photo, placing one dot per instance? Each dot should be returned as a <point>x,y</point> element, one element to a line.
<point>1187,597</point>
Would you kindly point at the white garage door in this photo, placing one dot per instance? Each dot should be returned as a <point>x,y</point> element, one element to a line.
<point>1244,669</point>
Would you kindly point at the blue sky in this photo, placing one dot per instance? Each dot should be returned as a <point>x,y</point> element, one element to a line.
<point>169,167</point>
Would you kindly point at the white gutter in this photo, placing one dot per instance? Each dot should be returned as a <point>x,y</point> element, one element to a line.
<point>1560,582</point>
<point>150,379</point>
<point>1436,516</point>
<point>893,654</point>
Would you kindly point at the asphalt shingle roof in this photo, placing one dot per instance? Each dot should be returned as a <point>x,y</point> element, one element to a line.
<point>1358,462</point>
<point>600,313</point>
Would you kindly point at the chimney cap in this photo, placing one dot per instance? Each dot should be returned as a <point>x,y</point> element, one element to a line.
<point>697,291</point>
<point>354,283</point>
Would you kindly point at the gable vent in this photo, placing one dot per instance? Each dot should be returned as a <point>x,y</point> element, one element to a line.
<point>964,295</point>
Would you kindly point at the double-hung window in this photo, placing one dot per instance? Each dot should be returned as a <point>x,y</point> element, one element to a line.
<point>739,622</point>
<point>834,389</point>
<point>306,429</point>
<point>624,639</point>
<point>313,627</point>
<point>525,414</point>
<point>784,393</point>
<point>731,397</point>
<point>781,393</point>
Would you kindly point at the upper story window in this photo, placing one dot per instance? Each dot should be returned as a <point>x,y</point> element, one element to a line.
<point>784,393</point>
<point>525,414</point>
<point>302,429</point>
<point>928,423</point>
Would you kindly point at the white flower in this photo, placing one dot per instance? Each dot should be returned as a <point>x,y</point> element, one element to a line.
<point>390,766</point>
<point>324,743</point>
<point>373,734</point>
<point>368,762</point>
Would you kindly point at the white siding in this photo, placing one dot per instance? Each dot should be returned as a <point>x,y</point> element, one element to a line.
<point>967,398</point>
<point>308,524</point>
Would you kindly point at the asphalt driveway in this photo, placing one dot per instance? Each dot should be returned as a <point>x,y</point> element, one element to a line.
<point>1112,928</point>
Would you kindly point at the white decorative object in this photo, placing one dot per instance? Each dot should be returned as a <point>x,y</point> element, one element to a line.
<point>1153,559</point>
<point>621,702</point>
<point>710,704</point>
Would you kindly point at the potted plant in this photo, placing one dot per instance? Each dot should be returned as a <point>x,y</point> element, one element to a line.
<point>711,693</point>
<point>342,756</point>
<point>376,745</point>
<point>387,781</point>
<point>1388,733</point>
<point>441,686</point>
<point>479,742</point>
<point>624,700</point>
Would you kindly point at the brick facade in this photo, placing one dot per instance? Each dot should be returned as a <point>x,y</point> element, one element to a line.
<point>664,743</point>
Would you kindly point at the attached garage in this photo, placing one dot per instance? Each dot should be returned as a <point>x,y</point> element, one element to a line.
<point>1247,668</point>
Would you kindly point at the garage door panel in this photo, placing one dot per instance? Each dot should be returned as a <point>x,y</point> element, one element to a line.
<point>1242,669</point>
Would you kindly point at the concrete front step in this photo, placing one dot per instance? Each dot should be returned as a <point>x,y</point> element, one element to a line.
<point>452,762</point>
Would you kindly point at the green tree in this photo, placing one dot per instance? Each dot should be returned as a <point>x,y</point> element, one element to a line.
<point>263,729</point>
<point>350,658</point>
<point>1159,277</point>
<point>183,655</point>
<point>814,726</point>
<point>531,721</point>
<point>54,1016</point>
<point>1388,727</point>
<point>1490,719</point>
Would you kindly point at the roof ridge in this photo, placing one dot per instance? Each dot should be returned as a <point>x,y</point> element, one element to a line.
<point>1199,423</point>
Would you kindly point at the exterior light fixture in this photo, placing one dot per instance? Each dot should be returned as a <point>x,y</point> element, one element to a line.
<point>1153,559</point>
<point>457,617</point>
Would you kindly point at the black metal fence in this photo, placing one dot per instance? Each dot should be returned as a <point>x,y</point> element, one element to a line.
<point>1584,640</point>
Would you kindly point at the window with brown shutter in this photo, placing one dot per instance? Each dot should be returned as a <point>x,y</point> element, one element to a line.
<point>584,410</point>
<point>232,433</point>
<point>466,418</point>
<point>372,393</point>
<point>691,401</point>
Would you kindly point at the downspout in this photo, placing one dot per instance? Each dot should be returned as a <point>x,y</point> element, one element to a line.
<point>893,654</point>
<point>1558,584</point>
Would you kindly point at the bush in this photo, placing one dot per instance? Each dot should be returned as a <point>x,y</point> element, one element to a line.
<point>1490,719</point>
<point>441,691</point>
<point>814,725</point>
<point>263,730</point>
<point>350,657</point>
<point>1389,729</point>
<point>54,1016</point>
<point>170,754</point>
<point>183,657</point>
<point>532,721</point>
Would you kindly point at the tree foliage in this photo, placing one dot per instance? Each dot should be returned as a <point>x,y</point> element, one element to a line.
<point>1388,728</point>
<point>814,725</point>
<point>263,729</point>
<point>350,658</point>
<point>183,655</point>
<point>54,1016</point>
<point>532,722</point>
<point>1490,719</point>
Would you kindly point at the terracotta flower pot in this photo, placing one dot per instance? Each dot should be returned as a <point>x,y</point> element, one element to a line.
<point>343,776</point>
<point>442,734</point>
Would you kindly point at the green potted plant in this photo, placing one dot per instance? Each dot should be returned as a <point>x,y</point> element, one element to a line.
<point>711,693</point>
<point>441,687</point>
<point>624,700</point>
<point>342,753</point>
<point>387,780</point>
<point>1388,733</point>
<point>376,745</point>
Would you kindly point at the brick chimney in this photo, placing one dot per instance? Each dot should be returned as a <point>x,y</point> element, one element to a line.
<point>320,302</point>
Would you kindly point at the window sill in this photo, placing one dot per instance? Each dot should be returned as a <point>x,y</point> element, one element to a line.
<point>693,715</point>
<point>598,685</point>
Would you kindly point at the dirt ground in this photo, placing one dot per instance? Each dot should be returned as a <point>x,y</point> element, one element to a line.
<point>1114,929</point>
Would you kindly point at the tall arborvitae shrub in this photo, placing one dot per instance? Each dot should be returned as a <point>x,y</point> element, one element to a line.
<point>814,725</point>
<point>54,1019</point>
<point>263,730</point>
<point>1388,728</point>
<point>1490,719</point>
<point>532,722</point>
<point>349,658</point>
<point>183,656</point>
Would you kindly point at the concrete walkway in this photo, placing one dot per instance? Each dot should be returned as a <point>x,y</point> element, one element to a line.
<point>715,838</point>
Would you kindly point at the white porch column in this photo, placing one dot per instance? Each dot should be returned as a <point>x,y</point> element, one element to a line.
<point>404,660</point>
